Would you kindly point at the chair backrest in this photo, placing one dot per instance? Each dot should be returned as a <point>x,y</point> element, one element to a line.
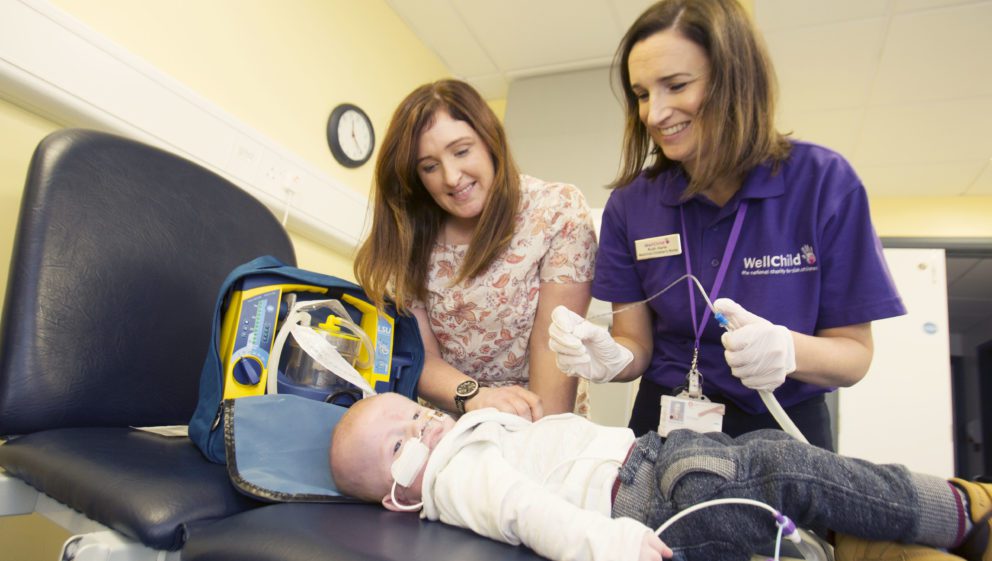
<point>119,254</point>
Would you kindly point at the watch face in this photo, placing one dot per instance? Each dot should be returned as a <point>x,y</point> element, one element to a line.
<point>350,135</point>
<point>467,388</point>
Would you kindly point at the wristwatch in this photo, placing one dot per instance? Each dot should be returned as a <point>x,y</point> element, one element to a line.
<point>464,392</point>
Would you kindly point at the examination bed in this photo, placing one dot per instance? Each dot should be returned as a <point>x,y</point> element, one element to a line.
<point>119,252</point>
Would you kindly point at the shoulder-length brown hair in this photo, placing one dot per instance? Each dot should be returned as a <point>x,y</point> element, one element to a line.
<point>737,115</point>
<point>393,261</point>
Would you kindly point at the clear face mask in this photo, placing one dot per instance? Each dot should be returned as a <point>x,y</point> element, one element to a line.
<point>410,462</point>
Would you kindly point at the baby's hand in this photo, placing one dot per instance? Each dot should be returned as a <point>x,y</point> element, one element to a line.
<point>653,549</point>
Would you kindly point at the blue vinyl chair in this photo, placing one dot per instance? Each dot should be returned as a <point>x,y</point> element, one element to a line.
<point>119,252</point>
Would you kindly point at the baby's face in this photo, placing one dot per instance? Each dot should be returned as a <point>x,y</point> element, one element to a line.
<point>388,422</point>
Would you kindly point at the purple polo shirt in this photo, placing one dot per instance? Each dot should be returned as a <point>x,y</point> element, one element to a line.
<point>807,258</point>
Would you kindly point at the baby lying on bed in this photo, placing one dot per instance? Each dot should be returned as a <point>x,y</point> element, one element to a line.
<point>570,489</point>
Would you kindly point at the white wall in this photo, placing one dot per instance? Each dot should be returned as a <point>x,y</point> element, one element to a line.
<point>567,127</point>
<point>901,411</point>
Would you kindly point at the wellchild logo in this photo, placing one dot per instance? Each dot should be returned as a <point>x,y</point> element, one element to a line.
<point>803,261</point>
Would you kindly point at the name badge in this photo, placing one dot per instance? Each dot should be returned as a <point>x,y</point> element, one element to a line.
<point>700,415</point>
<point>660,246</point>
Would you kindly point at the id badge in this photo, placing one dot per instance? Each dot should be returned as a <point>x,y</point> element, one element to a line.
<point>684,412</point>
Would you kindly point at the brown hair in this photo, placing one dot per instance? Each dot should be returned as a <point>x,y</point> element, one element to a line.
<point>393,260</point>
<point>737,116</point>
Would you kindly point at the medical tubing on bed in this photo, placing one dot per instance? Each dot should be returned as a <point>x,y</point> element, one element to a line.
<point>717,502</point>
<point>786,528</point>
<point>778,543</point>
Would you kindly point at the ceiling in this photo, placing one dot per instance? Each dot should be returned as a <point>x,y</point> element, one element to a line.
<point>902,88</point>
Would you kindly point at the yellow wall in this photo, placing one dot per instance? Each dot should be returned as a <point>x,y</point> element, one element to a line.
<point>31,538</point>
<point>933,217</point>
<point>280,67</point>
<point>26,538</point>
<point>20,132</point>
<point>498,106</point>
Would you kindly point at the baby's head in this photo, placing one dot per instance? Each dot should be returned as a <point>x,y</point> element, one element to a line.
<point>368,438</point>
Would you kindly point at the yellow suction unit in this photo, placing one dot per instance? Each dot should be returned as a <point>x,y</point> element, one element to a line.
<point>248,330</point>
<point>375,366</point>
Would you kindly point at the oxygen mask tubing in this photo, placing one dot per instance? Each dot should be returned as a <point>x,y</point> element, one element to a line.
<point>413,455</point>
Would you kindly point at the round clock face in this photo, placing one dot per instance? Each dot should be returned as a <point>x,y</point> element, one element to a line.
<point>350,135</point>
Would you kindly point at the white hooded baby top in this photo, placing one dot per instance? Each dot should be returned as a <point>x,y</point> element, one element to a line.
<point>545,484</point>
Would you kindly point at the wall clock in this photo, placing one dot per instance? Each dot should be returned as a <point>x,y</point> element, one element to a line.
<point>350,135</point>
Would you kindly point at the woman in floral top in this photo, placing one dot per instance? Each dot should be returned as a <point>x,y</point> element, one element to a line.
<point>478,253</point>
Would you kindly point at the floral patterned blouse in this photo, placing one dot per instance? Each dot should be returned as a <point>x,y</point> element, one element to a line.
<point>483,325</point>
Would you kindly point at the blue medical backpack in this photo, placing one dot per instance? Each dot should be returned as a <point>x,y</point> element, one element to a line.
<point>248,432</point>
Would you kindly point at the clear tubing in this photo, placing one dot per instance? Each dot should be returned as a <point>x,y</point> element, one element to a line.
<point>714,502</point>
<point>775,408</point>
<point>810,549</point>
<point>767,397</point>
<point>719,317</point>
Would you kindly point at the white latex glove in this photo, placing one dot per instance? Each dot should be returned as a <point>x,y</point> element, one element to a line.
<point>585,349</point>
<point>759,353</point>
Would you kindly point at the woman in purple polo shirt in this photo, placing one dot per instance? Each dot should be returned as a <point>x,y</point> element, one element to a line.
<point>777,231</point>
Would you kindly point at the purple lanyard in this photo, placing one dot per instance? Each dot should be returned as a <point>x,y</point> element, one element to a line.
<point>728,252</point>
